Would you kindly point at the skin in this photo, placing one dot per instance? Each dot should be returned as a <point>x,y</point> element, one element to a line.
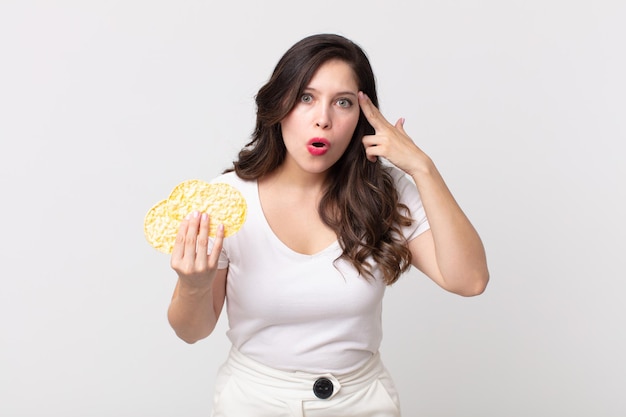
<point>450,253</point>
<point>290,195</point>
<point>328,108</point>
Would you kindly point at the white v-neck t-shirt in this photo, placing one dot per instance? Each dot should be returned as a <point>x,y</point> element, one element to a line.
<point>298,312</point>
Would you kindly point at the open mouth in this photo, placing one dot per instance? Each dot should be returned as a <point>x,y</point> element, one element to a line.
<point>318,146</point>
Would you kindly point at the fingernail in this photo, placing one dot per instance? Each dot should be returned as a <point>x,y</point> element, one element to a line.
<point>205,216</point>
<point>195,214</point>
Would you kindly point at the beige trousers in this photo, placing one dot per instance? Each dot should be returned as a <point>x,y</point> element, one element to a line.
<point>246,388</point>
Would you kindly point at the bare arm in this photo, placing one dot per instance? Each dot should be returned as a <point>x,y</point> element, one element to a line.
<point>201,288</point>
<point>451,252</point>
<point>193,313</point>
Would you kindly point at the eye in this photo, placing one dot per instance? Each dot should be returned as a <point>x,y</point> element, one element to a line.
<point>344,102</point>
<point>306,98</point>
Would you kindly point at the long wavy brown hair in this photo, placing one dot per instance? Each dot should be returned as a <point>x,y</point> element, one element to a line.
<point>360,201</point>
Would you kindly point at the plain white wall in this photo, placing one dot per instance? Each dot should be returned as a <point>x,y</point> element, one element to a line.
<point>106,105</point>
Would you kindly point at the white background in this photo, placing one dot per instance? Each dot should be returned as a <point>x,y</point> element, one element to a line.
<point>106,105</point>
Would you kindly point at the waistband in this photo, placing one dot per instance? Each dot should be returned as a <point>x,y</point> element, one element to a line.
<point>300,385</point>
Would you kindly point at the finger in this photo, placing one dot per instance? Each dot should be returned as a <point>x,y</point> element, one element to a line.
<point>371,112</point>
<point>371,143</point>
<point>371,158</point>
<point>192,235</point>
<point>217,245</point>
<point>179,244</point>
<point>399,126</point>
<point>202,241</point>
<point>372,150</point>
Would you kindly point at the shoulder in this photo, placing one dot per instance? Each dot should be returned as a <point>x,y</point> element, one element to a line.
<point>408,193</point>
<point>229,178</point>
<point>409,196</point>
<point>232,179</point>
<point>399,177</point>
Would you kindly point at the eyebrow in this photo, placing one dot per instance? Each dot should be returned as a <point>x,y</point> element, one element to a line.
<point>340,93</point>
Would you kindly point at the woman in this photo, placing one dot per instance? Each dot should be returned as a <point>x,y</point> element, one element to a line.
<point>329,226</point>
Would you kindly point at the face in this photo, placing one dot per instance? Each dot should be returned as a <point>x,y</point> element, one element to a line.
<point>318,129</point>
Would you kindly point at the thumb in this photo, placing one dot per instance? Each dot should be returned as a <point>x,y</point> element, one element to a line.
<point>400,124</point>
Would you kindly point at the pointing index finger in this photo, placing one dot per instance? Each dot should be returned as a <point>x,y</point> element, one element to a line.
<point>371,112</point>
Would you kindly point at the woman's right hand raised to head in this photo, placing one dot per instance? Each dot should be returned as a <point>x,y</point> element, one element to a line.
<point>195,266</point>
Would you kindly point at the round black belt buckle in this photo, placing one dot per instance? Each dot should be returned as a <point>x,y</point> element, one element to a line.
<point>323,388</point>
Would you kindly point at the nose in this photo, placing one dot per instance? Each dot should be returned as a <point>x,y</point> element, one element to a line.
<point>323,118</point>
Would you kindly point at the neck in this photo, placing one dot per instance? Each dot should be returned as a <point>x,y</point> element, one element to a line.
<point>296,180</point>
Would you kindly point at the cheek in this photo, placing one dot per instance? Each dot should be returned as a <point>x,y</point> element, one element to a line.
<point>288,126</point>
<point>348,127</point>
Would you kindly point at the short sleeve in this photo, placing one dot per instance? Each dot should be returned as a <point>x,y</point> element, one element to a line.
<point>409,196</point>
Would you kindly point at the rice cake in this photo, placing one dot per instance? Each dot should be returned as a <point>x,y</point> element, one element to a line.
<point>160,229</point>
<point>223,202</point>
